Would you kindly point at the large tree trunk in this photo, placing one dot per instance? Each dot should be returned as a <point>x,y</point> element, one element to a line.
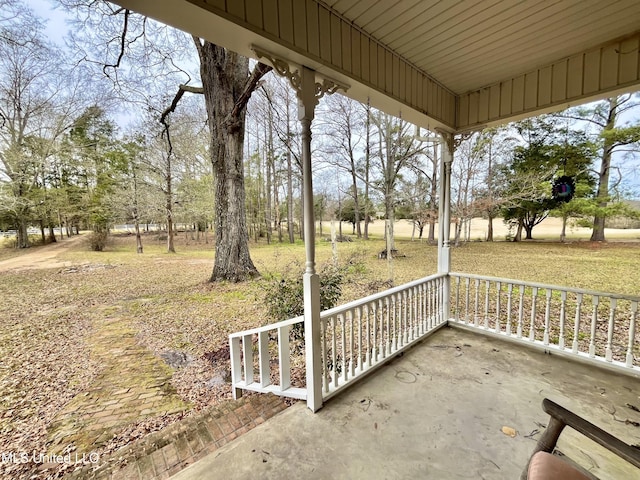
<point>169,207</point>
<point>23,235</point>
<point>136,214</point>
<point>43,235</point>
<point>528,231</point>
<point>224,79</point>
<point>597,235</point>
<point>490,228</point>
<point>563,233</point>
<point>52,233</point>
<point>518,235</point>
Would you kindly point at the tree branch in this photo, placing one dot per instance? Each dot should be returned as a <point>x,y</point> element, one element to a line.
<point>171,108</point>
<point>259,71</point>
<point>123,40</point>
<point>174,103</point>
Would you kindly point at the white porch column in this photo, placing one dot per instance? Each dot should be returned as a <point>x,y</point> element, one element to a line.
<point>307,102</point>
<point>309,91</point>
<point>444,218</point>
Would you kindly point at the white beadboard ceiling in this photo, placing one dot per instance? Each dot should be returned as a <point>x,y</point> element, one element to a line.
<point>453,64</point>
<point>467,44</point>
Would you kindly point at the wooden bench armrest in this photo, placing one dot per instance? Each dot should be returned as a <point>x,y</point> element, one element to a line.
<point>560,417</point>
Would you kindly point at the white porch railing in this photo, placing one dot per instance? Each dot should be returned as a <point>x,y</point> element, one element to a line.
<point>362,335</point>
<point>584,324</point>
<point>273,341</point>
<point>355,339</point>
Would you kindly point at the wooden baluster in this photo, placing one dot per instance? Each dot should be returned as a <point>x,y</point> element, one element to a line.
<point>410,314</point>
<point>520,311</point>
<point>334,353</point>
<point>369,346</point>
<point>343,338</point>
<point>360,340</point>
<point>284,357</point>
<point>486,304</point>
<point>405,329</point>
<point>236,365</point>
<point>422,304</point>
<point>264,359</point>
<point>608,355</point>
<point>394,322</point>
<point>476,319</point>
<point>563,305</point>
<point>325,354</point>
<point>632,333</point>
<point>576,326</point>
<point>352,356</point>
<point>247,353</point>
<point>468,293</point>
<point>509,306</point>
<point>434,314</point>
<point>416,312</point>
<point>374,330</point>
<point>594,321</point>
<point>498,287</point>
<point>381,346</point>
<point>532,333</point>
<point>388,336</point>
<point>547,313</point>
<point>457,317</point>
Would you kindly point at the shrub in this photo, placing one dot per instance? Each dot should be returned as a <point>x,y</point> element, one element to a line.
<point>285,295</point>
<point>97,241</point>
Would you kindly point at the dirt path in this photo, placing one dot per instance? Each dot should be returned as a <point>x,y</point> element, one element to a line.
<point>41,257</point>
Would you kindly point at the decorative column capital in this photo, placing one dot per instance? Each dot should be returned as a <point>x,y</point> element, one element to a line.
<point>323,85</point>
<point>281,67</point>
<point>448,142</point>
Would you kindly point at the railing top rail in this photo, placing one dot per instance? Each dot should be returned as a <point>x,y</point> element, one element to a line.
<point>266,328</point>
<point>340,308</point>
<point>545,286</point>
<point>379,295</point>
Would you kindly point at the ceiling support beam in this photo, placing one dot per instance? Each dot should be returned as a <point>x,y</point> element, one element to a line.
<point>604,71</point>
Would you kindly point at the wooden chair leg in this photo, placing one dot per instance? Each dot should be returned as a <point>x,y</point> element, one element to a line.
<point>547,442</point>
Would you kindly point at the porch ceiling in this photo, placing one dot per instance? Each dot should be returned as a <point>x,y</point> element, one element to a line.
<point>455,64</point>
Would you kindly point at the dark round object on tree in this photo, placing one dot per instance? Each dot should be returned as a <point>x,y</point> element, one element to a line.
<point>563,189</point>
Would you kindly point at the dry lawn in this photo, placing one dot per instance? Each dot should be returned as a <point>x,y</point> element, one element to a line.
<point>48,316</point>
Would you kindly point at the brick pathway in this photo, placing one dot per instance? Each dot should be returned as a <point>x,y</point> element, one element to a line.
<point>164,453</point>
<point>134,384</point>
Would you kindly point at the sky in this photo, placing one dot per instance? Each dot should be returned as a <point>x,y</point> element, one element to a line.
<point>56,19</point>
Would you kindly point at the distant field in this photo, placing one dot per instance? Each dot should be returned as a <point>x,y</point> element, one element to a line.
<point>549,229</point>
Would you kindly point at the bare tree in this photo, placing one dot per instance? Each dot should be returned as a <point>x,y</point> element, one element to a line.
<point>343,125</point>
<point>397,150</point>
<point>227,85</point>
<point>39,97</point>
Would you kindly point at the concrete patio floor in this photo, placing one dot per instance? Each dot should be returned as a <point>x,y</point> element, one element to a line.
<point>437,412</point>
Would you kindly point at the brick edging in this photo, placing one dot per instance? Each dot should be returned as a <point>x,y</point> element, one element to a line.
<point>165,452</point>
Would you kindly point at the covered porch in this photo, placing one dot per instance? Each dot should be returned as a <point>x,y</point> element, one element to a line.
<point>438,412</point>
